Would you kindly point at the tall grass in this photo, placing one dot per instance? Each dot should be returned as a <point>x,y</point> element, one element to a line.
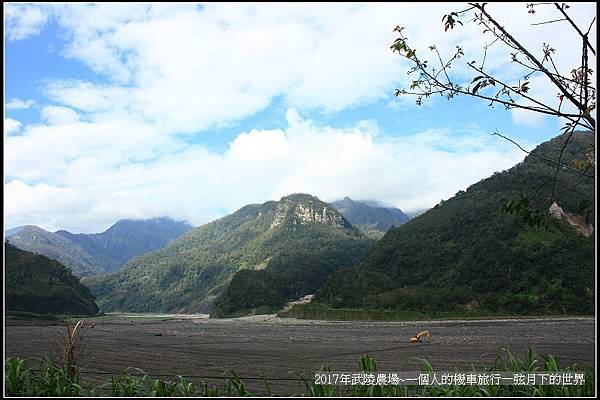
<point>49,379</point>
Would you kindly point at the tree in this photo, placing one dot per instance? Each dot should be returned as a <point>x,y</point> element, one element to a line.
<point>576,94</point>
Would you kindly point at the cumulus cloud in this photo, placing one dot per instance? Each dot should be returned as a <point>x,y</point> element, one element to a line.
<point>24,20</point>
<point>17,104</point>
<point>188,68</point>
<point>104,175</point>
<point>116,147</point>
<point>55,115</point>
<point>11,126</point>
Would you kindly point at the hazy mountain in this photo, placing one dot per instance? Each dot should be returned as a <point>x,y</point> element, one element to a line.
<point>300,239</point>
<point>37,240</point>
<point>37,284</point>
<point>370,216</point>
<point>89,254</point>
<point>8,233</point>
<point>416,213</point>
<point>466,254</point>
<point>127,239</point>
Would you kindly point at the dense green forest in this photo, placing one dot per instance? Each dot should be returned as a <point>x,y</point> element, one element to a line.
<point>37,284</point>
<point>296,242</point>
<point>302,258</point>
<point>467,254</point>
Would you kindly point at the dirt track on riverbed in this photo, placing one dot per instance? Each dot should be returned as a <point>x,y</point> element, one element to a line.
<point>284,348</point>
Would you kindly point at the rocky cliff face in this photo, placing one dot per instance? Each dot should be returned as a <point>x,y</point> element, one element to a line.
<point>302,209</point>
<point>576,221</point>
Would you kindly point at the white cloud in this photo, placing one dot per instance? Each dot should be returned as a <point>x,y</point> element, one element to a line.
<point>11,126</point>
<point>188,68</point>
<point>55,115</point>
<point>112,147</point>
<point>38,203</point>
<point>109,172</point>
<point>526,117</point>
<point>17,104</point>
<point>49,152</point>
<point>560,36</point>
<point>24,20</point>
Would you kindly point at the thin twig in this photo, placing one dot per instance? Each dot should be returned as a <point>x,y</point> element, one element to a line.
<point>590,28</point>
<point>562,150</point>
<point>543,69</point>
<point>542,157</point>
<point>550,22</point>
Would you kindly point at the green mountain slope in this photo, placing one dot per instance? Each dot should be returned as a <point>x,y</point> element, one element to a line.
<point>188,274</point>
<point>466,255</point>
<point>37,284</point>
<point>370,217</point>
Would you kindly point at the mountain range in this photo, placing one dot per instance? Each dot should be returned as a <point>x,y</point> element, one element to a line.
<point>90,254</point>
<point>276,251</point>
<point>468,254</point>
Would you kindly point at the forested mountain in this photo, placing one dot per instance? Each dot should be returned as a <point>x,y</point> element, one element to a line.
<point>369,216</point>
<point>288,247</point>
<point>37,284</point>
<point>466,254</point>
<point>90,254</point>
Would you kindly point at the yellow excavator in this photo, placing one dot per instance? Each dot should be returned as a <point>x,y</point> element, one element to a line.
<point>418,336</point>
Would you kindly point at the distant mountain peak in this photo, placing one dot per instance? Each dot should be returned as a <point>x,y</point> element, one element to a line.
<point>370,216</point>
<point>299,197</point>
<point>10,232</point>
<point>128,223</point>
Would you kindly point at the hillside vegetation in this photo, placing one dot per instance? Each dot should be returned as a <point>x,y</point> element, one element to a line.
<point>289,247</point>
<point>39,285</point>
<point>467,255</point>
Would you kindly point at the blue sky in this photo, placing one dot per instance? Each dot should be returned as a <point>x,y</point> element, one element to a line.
<point>138,111</point>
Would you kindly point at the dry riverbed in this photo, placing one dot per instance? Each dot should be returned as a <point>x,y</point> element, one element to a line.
<point>281,349</point>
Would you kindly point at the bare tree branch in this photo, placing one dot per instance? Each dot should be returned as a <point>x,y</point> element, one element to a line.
<point>574,25</point>
<point>549,22</point>
<point>533,59</point>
